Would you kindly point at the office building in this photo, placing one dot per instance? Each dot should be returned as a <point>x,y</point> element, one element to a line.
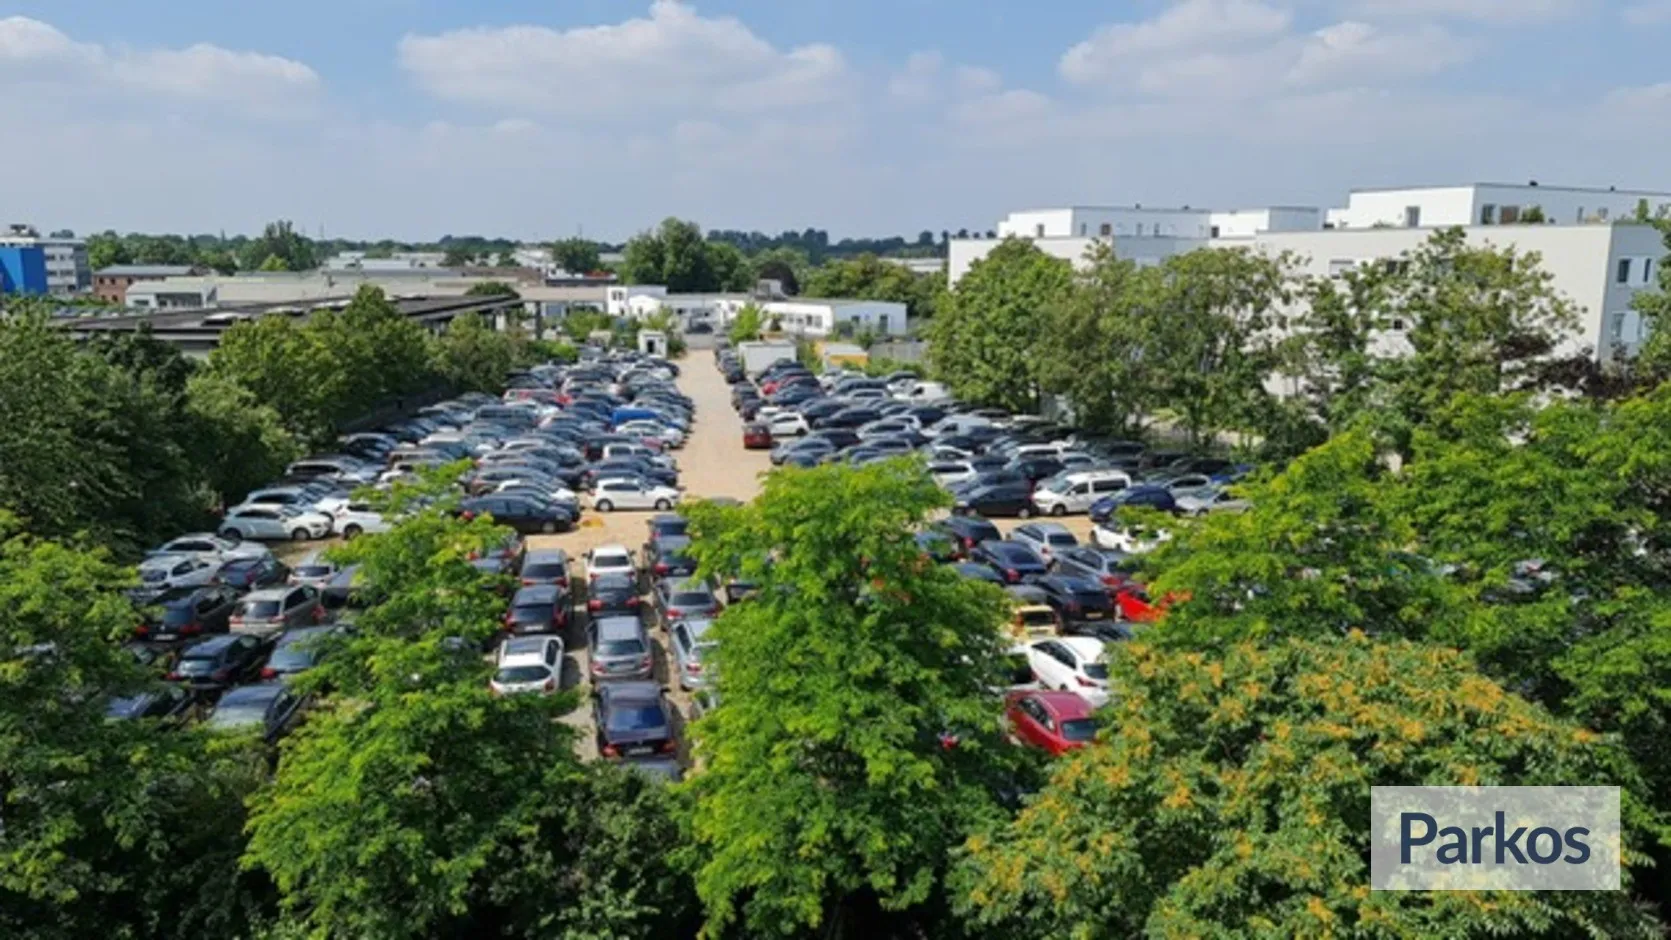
<point>65,257</point>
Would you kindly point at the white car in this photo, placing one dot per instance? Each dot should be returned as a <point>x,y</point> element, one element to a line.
<point>313,496</point>
<point>1076,491</point>
<point>788,424</point>
<point>266,523</point>
<point>950,473</point>
<point>671,436</point>
<point>609,559</point>
<point>1133,540</point>
<point>210,546</point>
<point>619,493</point>
<point>1204,503</point>
<point>356,519</point>
<point>315,570</point>
<point>1071,664</point>
<point>1048,539</point>
<point>172,571</point>
<point>528,664</point>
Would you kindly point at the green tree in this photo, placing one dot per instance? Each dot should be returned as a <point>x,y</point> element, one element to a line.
<point>491,289</point>
<point>576,255</point>
<point>868,277</point>
<point>1229,796</point>
<point>239,443</point>
<point>787,266</point>
<point>1654,306</point>
<point>747,325</point>
<point>984,344</point>
<point>280,240</point>
<point>106,249</point>
<point>827,793</point>
<point>1092,352</point>
<point>473,357</point>
<point>457,257</point>
<point>675,255</point>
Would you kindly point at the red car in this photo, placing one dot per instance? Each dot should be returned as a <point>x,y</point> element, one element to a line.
<point>757,437</point>
<point>1134,604</point>
<point>1053,722</point>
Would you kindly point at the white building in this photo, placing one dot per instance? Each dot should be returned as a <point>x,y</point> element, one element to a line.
<point>174,293</point>
<point>810,316</point>
<point>67,268</point>
<point>1493,204</point>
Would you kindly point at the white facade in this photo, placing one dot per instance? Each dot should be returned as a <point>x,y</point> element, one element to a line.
<point>1105,222</point>
<point>1492,204</point>
<point>963,252</point>
<point>1246,223</point>
<point>805,315</point>
<point>67,268</point>
<point>617,300</point>
<point>174,293</point>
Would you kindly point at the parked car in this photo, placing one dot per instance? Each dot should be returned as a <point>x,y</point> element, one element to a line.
<point>975,571</point>
<point>528,664</point>
<point>1077,491</point>
<point>1071,664</point>
<point>1032,617</point>
<point>685,598</point>
<point>179,613</point>
<point>161,572</point>
<point>619,648</point>
<point>1048,539</point>
<point>169,704</point>
<point>1131,539</point>
<point>315,569</point>
<point>358,518</point>
<point>262,523</point>
<point>299,649</point>
<point>219,662</point>
<point>1144,495</point>
<point>1221,500</point>
<point>1109,567</point>
<point>1053,722</point>
<point>211,546</point>
<point>669,556</point>
<point>270,709</point>
<point>613,595</point>
<point>268,611</point>
<point>633,720</point>
<point>524,514</point>
<point>998,499</point>
<point>251,573</point>
<point>1083,604</point>
<point>1013,561</point>
<point>546,566</point>
<point>968,531</point>
<point>690,646</point>
<point>609,559</point>
<point>539,608</point>
<point>632,493</point>
<point>757,436</point>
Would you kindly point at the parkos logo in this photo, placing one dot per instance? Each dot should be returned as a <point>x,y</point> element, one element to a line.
<point>1494,838</point>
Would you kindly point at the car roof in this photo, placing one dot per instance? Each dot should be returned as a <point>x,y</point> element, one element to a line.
<point>619,626</point>
<point>610,579</point>
<point>301,634</point>
<point>1064,705</point>
<point>548,555</point>
<point>696,625</point>
<point>633,691</point>
<point>524,645</point>
<point>261,692</point>
<point>211,644</point>
<point>1051,528</point>
<point>536,594</point>
<point>672,543</point>
<point>611,549</point>
<point>1072,582</point>
<point>1087,647</point>
<point>1009,545</point>
<point>268,594</point>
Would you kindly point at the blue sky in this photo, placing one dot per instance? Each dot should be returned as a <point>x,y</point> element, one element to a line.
<point>414,118</point>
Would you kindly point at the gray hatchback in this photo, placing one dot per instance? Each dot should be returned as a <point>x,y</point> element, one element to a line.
<point>619,649</point>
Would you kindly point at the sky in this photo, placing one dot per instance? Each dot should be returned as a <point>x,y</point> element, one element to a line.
<point>539,119</point>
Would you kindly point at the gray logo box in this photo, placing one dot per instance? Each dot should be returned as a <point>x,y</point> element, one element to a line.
<point>1494,839</point>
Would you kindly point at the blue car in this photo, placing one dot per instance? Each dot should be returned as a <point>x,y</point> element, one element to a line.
<point>1147,495</point>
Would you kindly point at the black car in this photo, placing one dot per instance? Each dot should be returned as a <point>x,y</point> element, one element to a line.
<point>820,408</point>
<point>1078,601</point>
<point>612,595</point>
<point>1106,566</point>
<point>838,438</point>
<point>181,613</point>
<point>546,566</point>
<point>218,662</point>
<point>249,574</point>
<point>270,708</point>
<point>977,572</point>
<point>851,418</point>
<point>299,649</point>
<point>633,720</point>
<point>968,531</point>
<point>1013,561</point>
<point>999,499</point>
<point>538,608</point>
<point>669,556</point>
<point>939,546</point>
<point>1036,468</point>
<point>667,523</point>
<point>170,704</point>
<point>522,513</point>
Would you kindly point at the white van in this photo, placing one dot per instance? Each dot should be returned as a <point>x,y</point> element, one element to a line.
<point>923,393</point>
<point>1075,492</point>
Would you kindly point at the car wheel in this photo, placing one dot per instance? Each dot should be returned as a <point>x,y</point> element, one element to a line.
<point>1060,509</point>
<point>663,505</point>
<point>604,505</point>
<point>1025,512</point>
<point>548,527</point>
<point>351,532</point>
<point>232,534</point>
<point>298,535</point>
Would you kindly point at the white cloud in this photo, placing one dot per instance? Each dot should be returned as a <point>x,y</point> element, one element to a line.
<point>926,79</point>
<point>674,60</point>
<point>1188,27</point>
<point>38,52</point>
<point>1504,12</point>
<point>1648,13</point>
<point>1358,53</point>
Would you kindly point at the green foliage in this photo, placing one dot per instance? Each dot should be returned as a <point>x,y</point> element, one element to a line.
<point>826,788</point>
<point>674,255</point>
<point>576,255</point>
<point>491,289</point>
<point>749,323</point>
<point>1229,796</point>
<point>787,266</point>
<point>868,277</point>
<point>581,324</point>
<point>279,247</point>
<point>1653,358</point>
<point>985,343</point>
<point>471,356</point>
<point>240,443</point>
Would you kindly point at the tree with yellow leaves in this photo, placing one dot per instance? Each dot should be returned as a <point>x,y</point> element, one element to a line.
<point>1229,796</point>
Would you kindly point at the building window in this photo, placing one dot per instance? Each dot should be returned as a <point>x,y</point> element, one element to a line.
<point>1602,213</point>
<point>1106,230</point>
<point>1624,271</point>
<point>1082,228</point>
<point>1488,214</point>
<point>1398,324</point>
<point>1339,266</point>
<point>1618,327</point>
<point>1140,229</point>
<point>1214,231</point>
<point>1038,230</point>
<point>1580,218</point>
<point>1412,216</point>
<point>1508,215</point>
<point>1647,270</point>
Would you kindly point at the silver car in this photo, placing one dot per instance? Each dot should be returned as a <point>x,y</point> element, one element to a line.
<point>1045,538</point>
<point>690,648</point>
<point>315,569</point>
<point>619,649</point>
<point>1200,504</point>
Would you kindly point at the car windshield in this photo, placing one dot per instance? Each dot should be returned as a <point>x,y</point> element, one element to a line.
<point>1038,618</point>
<point>1062,539</point>
<point>258,610</point>
<point>238,714</point>
<point>544,570</point>
<point>130,706</point>
<point>692,599</point>
<point>1079,729</point>
<point>611,561</point>
<point>153,575</point>
<point>1096,670</point>
<point>195,666</point>
<point>518,674</point>
<point>294,657</point>
<point>637,716</point>
<point>627,647</point>
<point>313,571</point>
<point>525,612</point>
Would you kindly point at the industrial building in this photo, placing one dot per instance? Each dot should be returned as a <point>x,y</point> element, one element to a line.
<point>22,269</point>
<point>64,257</point>
<point>810,316</point>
